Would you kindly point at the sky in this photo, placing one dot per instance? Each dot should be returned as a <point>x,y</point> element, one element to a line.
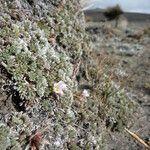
<point>141,6</point>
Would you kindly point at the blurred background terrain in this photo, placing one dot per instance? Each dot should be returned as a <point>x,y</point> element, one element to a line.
<point>129,43</point>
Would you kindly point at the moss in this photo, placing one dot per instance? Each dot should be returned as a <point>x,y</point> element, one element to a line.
<point>46,105</point>
<point>35,71</point>
<point>15,145</point>
<point>4,139</point>
<point>147,86</point>
<point>34,62</point>
<point>121,111</point>
<point>114,105</point>
<point>73,146</point>
<point>108,101</point>
<point>7,141</point>
<point>16,120</point>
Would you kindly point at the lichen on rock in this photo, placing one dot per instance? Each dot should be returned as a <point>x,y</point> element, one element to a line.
<point>7,141</point>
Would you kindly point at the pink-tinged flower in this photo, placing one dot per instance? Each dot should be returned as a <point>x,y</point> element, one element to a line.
<point>85,93</point>
<point>59,88</point>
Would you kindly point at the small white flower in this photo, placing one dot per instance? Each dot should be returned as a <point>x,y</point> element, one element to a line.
<point>57,143</point>
<point>60,87</point>
<point>85,93</point>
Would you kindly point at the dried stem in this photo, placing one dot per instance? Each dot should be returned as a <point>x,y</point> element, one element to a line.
<point>138,138</point>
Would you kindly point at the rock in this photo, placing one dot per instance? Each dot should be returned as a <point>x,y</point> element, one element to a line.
<point>122,23</point>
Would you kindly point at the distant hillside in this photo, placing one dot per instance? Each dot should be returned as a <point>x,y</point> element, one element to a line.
<point>96,15</point>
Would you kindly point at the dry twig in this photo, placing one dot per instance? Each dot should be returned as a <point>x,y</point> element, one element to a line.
<point>138,138</point>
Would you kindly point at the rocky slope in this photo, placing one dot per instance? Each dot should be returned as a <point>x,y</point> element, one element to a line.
<point>54,92</point>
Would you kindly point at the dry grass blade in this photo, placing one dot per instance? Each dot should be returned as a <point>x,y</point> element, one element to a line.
<point>138,138</point>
